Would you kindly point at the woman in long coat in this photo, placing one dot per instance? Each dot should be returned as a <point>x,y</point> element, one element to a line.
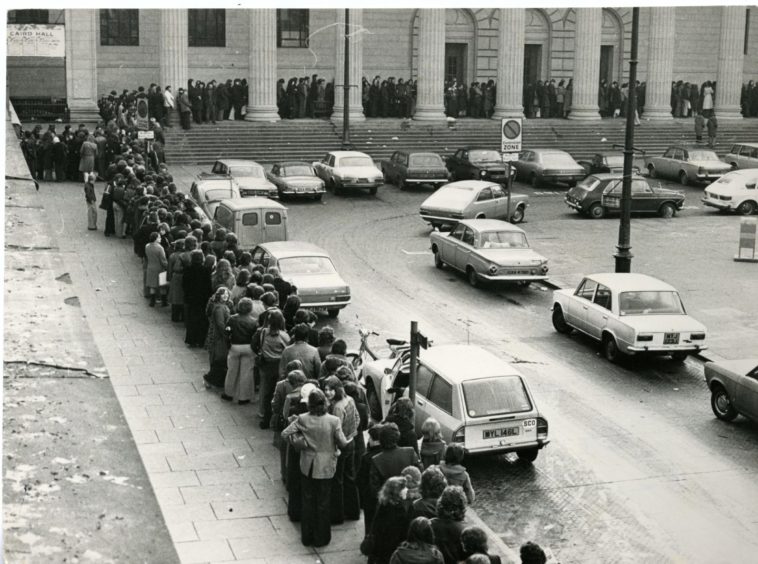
<point>156,264</point>
<point>175,292</point>
<point>87,154</point>
<point>218,312</point>
<point>196,284</point>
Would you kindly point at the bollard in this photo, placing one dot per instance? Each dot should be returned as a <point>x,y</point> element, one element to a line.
<point>746,249</point>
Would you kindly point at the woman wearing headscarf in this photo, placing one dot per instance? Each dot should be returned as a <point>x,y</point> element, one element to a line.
<point>196,285</point>
<point>88,154</point>
<point>320,434</point>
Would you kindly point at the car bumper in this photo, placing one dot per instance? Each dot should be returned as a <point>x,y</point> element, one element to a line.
<point>562,177</point>
<point>497,449</point>
<point>429,218</point>
<point>573,205</point>
<point>325,305</point>
<point>664,349</point>
<point>357,185</point>
<point>719,204</point>
<point>259,193</point>
<point>512,277</point>
<point>302,191</point>
<point>709,176</point>
<point>426,180</point>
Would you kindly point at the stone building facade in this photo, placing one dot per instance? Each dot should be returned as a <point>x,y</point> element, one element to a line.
<point>116,49</point>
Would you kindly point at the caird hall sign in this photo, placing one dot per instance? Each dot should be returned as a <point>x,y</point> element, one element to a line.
<point>28,40</point>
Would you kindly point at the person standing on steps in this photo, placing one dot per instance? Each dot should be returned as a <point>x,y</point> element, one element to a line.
<point>185,109</point>
<point>713,127</point>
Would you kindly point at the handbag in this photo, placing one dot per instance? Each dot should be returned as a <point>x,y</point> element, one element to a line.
<point>106,201</point>
<point>298,441</point>
<point>367,545</point>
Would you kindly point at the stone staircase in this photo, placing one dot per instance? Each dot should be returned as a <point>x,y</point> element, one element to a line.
<point>308,140</point>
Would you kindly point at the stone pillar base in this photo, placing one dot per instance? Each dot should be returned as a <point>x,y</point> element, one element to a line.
<point>661,113</point>
<point>591,113</point>
<point>729,113</point>
<point>84,112</point>
<point>262,113</point>
<point>338,113</point>
<point>429,113</point>
<point>508,112</point>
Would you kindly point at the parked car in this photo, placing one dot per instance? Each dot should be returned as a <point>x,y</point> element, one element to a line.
<point>249,176</point>
<point>688,164</point>
<point>253,220</point>
<point>548,165</point>
<point>349,170</point>
<point>477,164</point>
<point>405,168</point>
<point>599,195</point>
<point>210,192</point>
<point>743,155</point>
<point>606,162</point>
<point>311,270</point>
<point>735,191</point>
<point>488,250</point>
<point>734,388</point>
<point>487,410</point>
<point>471,199</point>
<point>296,178</point>
<point>629,314</point>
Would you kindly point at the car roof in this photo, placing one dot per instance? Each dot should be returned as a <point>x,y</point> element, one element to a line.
<point>293,163</point>
<point>458,363</point>
<point>412,153</point>
<point>471,184</point>
<point>251,202</point>
<point>690,146</point>
<point>210,183</point>
<point>614,175</point>
<point>233,162</point>
<point>630,282</point>
<point>754,145</point>
<point>341,154</point>
<point>283,249</point>
<point>547,151</point>
<point>490,225</point>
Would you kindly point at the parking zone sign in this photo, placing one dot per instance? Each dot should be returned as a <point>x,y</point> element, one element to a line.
<point>510,135</point>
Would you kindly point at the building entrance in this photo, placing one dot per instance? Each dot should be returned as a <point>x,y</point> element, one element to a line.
<point>606,63</point>
<point>532,63</point>
<point>455,62</point>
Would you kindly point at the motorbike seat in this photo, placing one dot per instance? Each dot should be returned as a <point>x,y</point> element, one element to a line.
<point>396,342</point>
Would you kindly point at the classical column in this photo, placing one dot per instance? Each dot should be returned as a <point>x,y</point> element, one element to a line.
<point>262,66</point>
<point>589,25</point>
<point>431,65</point>
<point>81,65</point>
<point>355,63</point>
<point>731,57</point>
<point>660,63</point>
<point>510,67</point>
<point>174,43</point>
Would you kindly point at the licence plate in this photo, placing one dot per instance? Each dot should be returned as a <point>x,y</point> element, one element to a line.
<point>520,272</point>
<point>671,338</point>
<point>504,432</point>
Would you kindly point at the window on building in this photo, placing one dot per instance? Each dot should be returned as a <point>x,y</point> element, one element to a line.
<point>119,27</point>
<point>292,28</point>
<point>29,16</point>
<point>207,28</point>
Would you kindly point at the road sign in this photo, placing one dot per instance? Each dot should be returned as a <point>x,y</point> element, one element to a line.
<point>510,135</point>
<point>746,250</point>
<point>146,135</point>
<point>143,114</point>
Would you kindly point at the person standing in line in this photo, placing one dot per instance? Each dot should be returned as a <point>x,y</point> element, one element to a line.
<point>713,126</point>
<point>91,199</point>
<point>418,548</point>
<point>389,527</point>
<point>560,97</point>
<point>273,340</point>
<point>156,264</point>
<point>185,109</point>
<point>88,154</point>
<point>707,95</point>
<point>59,152</point>
<point>168,107</point>
<point>448,524</point>
<point>239,374</point>
<point>699,127</point>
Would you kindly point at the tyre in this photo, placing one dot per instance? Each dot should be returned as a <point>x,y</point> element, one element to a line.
<point>651,171</point>
<point>374,407</point>
<point>746,208</point>
<point>518,215</point>
<point>534,181</point>
<point>529,455</point>
<point>373,190</point>
<point>438,260</point>
<point>559,322</point>
<point>611,351</point>
<point>472,277</point>
<point>680,356</point>
<point>596,211</point>
<point>667,210</point>
<point>721,403</point>
<point>684,179</point>
<point>333,312</point>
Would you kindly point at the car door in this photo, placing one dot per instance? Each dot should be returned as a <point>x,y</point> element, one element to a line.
<point>464,249</point>
<point>596,316</point>
<point>424,376</point>
<point>580,304</point>
<point>679,162</point>
<point>746,400</point>
<point>450,244</point>
<point>644,200</point>
<point>440,405</point>
<point>664,164</point>
<point>482,206</point>
<point>499,203</point>
<point>402,165</point>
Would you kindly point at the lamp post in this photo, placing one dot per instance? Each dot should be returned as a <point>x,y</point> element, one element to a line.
<point>346,87</point>
<point>623,254</point>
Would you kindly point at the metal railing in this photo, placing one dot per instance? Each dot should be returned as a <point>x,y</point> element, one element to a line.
<point>40,109</point>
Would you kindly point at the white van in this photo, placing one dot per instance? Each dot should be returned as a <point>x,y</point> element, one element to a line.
<point>252,220</point>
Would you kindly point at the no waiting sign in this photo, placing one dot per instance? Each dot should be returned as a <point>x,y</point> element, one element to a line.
<point>510,135</point>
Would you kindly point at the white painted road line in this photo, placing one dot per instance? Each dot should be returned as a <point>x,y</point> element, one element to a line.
<point>416,252</point>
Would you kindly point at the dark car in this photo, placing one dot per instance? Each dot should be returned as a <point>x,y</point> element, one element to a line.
<point>600,194</point>
<point>606,162</point>
<point>477,164</point>
<point>405,168</point>
<point>548,165</point>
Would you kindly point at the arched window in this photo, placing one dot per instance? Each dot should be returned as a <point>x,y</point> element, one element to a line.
<point>537,36</point>
<point>611,47</point>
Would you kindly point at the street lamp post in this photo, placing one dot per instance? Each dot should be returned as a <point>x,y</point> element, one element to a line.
<point>623,249</point>
<point>346,87</point>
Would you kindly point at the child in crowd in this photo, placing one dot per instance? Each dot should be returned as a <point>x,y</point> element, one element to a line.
<point>432,445</point>
<point>412,477</point>
<point>455,472</point>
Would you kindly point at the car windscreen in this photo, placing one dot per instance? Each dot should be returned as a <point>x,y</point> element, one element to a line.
<point>700,155</point>
<point>503,240</point>
<point>650,303</point>
<point>484,156</point>
<point>427,160</point>
<point>356,161</point>
<point>253,171</point>
<point>558,160</point>
<point>499,395</point>
<point>306,265</point>
<point>614,160</point>
<point>219,194</point>
<point>297,170</point>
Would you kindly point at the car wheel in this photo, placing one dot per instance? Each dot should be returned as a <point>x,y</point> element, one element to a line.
<point>529,455</point>
<point>684,179</point>
<point>518,215</point>
<point>333,312</point>
<point>679,356</point>
<point>534,181</point>
<point>611,351</point>
<point>374,408</point>
<point>651,171</point>
<point>480,216</point>
<point>596,211</point>
<point>559,322</point>
<point>667,210</point>
<point>473,277</point>
<point>721,403</point>
<point>746,208</point>
<point>438,260</point>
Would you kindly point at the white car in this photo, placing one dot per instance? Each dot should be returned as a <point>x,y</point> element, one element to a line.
<point>735,191</point>
<point>349,170</point>
<point>629,314</point>
<point>743,155</point>
<point>249,176</point>
<point>209,193</point>
<point>480,401</point>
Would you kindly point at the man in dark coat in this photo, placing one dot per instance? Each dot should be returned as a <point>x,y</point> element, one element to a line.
<point>391,461</point>
<point>225,99</point>
<point>310,106</point>
<point>237,98</point>
<point>185,108</point>
<point>210,102</point>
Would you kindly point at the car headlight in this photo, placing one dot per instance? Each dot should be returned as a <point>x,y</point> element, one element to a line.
<point>493,269</point>
<point>483,173</point>
<point>644,337</point>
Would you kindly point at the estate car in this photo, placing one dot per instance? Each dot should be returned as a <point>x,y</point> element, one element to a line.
<point>548,165</point>
<point>743,155</point>
<point>687,164</point>
<point>736,191</point>
<point>405,168</point>
<point>249,176</point>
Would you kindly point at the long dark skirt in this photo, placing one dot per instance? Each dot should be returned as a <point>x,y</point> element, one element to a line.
<point>196,324</point>
<point>110,221</point>
<point>218,366</point>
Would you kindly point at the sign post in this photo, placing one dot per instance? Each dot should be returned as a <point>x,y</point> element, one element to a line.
<point>417,340</point>
<point>746,249</point>
<point>510,147</point>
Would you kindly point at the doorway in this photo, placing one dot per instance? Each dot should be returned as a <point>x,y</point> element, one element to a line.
<point>532,63</point>
<point>606,63</point>
<point>455,62</point>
